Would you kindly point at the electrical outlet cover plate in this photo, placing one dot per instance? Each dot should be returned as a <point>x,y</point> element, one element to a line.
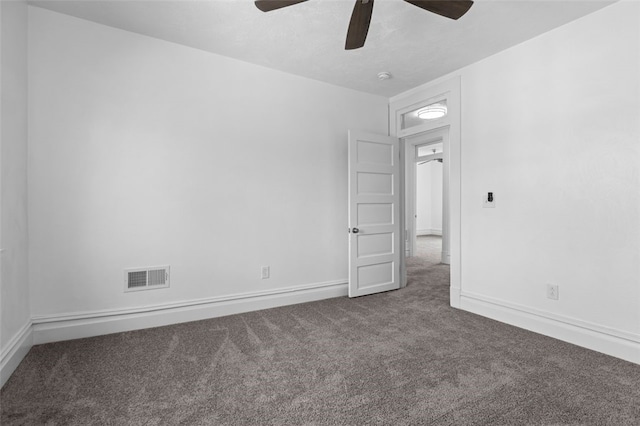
<point>265,272</point>
<point>552,292</point>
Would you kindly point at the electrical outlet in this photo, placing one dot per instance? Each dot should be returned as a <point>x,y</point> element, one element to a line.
<point>552,292</point>
<point>266,272</point>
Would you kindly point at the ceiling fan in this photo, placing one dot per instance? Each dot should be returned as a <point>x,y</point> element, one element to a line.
<point>439,160</point>
<point>361,16</point>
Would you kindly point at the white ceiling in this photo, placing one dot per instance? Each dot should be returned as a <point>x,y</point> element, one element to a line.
<point>307,39</point>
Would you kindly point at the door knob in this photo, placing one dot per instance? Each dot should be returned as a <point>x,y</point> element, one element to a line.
<point>355,230</point>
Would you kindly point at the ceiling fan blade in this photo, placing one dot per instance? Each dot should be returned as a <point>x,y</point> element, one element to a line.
<point>359,24</point>
<point>453,9</point>
<point>269,5</point>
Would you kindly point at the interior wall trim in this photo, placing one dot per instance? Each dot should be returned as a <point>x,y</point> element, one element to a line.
<point>454,297</point>
<point>68,326</point>
<point>429,231</point>
<point>15,350</point>
<point>608,340</point>
<point>448,87</point>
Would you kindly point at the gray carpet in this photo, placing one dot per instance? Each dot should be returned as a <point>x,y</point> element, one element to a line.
<point>399,358</point>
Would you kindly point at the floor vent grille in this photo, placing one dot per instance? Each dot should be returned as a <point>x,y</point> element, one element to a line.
<point>146,278</point>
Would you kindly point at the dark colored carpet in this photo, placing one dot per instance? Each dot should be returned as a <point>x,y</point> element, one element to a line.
<point>399,358</point>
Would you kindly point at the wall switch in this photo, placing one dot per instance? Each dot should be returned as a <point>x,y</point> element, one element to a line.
<point>552,292</point>
<point>265,272</point>
<point>489,201</point>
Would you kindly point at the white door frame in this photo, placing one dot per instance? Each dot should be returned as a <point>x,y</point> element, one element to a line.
<point>440,135</point>
<point>448,90</point>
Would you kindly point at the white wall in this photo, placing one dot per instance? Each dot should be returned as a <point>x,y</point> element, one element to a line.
<point>144,152</point>
<point>436,195</point>
<point>14,290</point>
<point>423,198</point>
<point>552,127</point>
<point>429,198</point>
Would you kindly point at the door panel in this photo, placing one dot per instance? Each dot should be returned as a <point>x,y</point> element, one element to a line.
<point>374,153</point>
<point>376,244</point>
<point>374,183</point>
<point>376,275</point>
<point>375,214</point>
<point>374,210</point>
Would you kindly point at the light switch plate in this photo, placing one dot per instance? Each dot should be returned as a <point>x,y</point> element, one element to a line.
<point>489,204</point>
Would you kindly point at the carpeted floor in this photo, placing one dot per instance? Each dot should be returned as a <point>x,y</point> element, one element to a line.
<point>399,358</point>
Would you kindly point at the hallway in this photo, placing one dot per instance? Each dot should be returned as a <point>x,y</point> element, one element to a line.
<point>426,266</point>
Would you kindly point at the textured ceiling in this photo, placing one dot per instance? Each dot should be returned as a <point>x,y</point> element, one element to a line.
<point>307,39</point>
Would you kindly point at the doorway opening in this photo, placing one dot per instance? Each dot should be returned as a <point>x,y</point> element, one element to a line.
<point>427,207</point>
<point>429,202</point>
<point>402,109</point>
<point>427,192</point>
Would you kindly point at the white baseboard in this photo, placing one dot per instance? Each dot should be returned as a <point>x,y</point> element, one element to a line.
<point>429,232</point>
<point>454,297</point>
<point>17,348</point>
<point>617,343</point>
<point>54,328</point>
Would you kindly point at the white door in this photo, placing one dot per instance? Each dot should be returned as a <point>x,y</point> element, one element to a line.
<point>374,213</point>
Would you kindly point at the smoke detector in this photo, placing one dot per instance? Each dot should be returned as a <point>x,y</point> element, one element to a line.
<point>384,75</point>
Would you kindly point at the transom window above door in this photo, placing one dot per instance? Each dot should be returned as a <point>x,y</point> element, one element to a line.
<point>424,113</point>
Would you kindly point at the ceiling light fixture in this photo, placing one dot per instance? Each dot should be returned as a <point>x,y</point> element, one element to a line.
<point>433,111</point>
